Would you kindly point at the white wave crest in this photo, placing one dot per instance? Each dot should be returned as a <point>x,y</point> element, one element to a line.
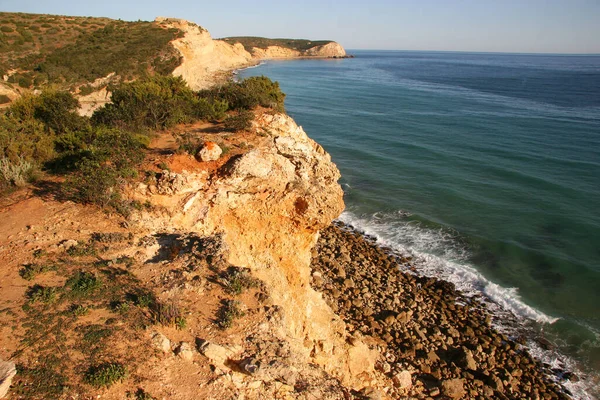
<point>439,254</point>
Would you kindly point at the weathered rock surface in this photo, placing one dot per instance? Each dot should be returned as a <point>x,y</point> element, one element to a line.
<point>203,57</point>
<point>161,342</point>
<point>210,151</point>
<point>7,373</point>
<point>268,205</point>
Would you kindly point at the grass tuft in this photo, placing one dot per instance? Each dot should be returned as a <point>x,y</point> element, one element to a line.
<point>105,374</point>
<point>83,283</point>
<point>42,294</point>
<point>228,313</point>
<point>30,271</point>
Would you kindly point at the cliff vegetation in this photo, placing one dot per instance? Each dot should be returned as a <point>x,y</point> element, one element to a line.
<point>250,42</point>
<point>38,50</point>
<point>45,133</point>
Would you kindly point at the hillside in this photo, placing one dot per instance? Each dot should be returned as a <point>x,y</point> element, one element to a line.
<point>71,52</point>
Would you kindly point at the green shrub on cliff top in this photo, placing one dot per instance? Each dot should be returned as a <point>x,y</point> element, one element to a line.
<point>249,93</point>
<point>156,102</point>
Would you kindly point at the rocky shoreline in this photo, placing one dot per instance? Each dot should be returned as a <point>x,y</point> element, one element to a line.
<point>433,340</point>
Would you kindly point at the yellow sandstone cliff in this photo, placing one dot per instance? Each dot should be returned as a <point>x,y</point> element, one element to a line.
<point>206,60</point>
<point>268,205</point>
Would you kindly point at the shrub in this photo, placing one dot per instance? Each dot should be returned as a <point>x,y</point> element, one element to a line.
<point>167,314</point>
<point>6,29</point>
<point>229,311</point>
<point>83,283</point>
<point>249,93</point>
<point>241,121</point>
<point>24,146</point>
<point>103,158</point>
<point>85,90</point>
<point>212,110</point>
<point>57,109</point>
<point>105,374</point>
<point>156,102</point>
<point>236,280</point>
<point>16,173</point>
<point>25,81</point>
<point>30,271</point>
<point>42,294</point>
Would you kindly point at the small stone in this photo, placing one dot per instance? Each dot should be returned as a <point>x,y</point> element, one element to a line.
<point>209,152</point>
<point>453,388</point>
<point>7,373</point>
<point>161,342</point>
<point>403,380</point>
<point>254,384</point>
<point>216,354</point>
<point>185,351</point>
<point>467,360</point>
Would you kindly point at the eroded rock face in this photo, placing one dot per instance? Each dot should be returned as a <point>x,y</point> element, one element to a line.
<point>269,205</point>
<point>332,49</point>
<point>203,57</point>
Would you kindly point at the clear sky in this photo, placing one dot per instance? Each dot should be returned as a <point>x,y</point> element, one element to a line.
<point>555,26</point>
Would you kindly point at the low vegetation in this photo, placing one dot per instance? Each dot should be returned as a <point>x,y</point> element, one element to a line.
<point>39,50</point>
<point>100,154</point>
<point>230,311</point>
<point>63,352</point>
<point>105,374</point>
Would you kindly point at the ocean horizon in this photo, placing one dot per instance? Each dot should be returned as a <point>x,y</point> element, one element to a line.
<point>484,167</point>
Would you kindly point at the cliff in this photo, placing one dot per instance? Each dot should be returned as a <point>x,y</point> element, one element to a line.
<point>268,205</point>
<point>205,61</point>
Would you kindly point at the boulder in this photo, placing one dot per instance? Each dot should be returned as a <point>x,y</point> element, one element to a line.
<point>210,151</point>
<point>216,354</point>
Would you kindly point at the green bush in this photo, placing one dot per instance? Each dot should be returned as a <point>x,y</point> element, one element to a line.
<point>103,158</point>
<point>249,93</point>
<point>58,110</point>
<point>6,29</point>
<point>25,82</point>
<point>242,120</point>
<point>156,102</point>
<point>55,109</point>
<point>25,140</point>
<point>105,374</point>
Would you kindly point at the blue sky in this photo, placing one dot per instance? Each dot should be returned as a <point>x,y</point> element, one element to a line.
<point>555,26</point>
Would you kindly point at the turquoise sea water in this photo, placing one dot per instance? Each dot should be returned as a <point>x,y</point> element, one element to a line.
<point>486,167</point>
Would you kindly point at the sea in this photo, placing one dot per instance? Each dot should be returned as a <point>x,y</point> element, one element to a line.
<point>485,167</point>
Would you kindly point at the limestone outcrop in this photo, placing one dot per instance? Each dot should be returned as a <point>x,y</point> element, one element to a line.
<point>332,49</point>
<point>206,61</point>
<point>204,58</point>
<point>268,205</point>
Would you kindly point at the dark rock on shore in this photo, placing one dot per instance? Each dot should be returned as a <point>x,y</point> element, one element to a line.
<point>424,327</point>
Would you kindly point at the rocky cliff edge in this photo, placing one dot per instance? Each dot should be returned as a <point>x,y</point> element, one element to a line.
<point>268,204</point>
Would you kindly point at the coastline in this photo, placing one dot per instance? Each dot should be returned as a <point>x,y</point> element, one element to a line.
<point>423,326</point>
